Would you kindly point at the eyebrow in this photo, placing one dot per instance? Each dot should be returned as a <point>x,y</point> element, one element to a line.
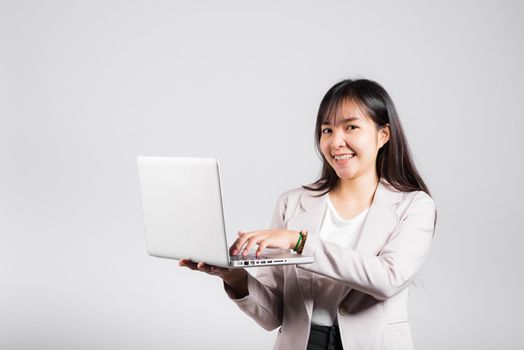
<point>345,120</point>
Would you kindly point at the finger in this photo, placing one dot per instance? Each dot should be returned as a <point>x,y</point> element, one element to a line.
<point>188,263</point>
<point>183,262</point>
<point>202,266</point>
<point>233,250</point>
<point>211,269</point>
<point>249,244</point>
<point>261,246</point>
<point>236,248</point>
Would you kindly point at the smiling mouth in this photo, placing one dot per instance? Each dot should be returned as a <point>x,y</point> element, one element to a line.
<point>344,156</point>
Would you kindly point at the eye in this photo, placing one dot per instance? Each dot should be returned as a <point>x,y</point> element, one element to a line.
<point>326,130</point>
<point>352,127</point>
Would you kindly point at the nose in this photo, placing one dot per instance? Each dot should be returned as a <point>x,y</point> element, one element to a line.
<point>338,139</point>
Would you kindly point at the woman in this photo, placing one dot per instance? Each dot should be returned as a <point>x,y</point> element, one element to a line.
<point>368,221</point>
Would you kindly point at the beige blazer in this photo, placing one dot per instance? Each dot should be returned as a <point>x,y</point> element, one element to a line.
<point>393,244</point>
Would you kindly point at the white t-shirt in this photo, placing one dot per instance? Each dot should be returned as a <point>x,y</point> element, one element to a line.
<point>344,233</point>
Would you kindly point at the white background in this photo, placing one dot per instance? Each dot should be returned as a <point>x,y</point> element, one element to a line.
<point>86,86</point>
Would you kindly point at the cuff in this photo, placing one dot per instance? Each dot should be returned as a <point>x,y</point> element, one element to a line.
<point>250,289</point>
<point>311,245</point>
<point>312,241</point>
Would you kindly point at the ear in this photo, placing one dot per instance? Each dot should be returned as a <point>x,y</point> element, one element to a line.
<point>383,135</point>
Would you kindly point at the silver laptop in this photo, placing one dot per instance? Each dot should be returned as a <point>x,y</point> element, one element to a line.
<point>184,216</point>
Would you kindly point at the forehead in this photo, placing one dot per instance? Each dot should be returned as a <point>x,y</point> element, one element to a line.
<point>343,112</point>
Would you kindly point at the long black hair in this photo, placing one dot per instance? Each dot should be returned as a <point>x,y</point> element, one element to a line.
<point>394,161</point>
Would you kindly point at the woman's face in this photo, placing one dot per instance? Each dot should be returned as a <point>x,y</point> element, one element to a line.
<point>351,145</point>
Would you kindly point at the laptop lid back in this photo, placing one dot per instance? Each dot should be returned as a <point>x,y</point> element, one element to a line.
<point>182,207</point>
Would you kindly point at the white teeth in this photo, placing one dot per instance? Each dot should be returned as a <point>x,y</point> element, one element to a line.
<point>345,156</point>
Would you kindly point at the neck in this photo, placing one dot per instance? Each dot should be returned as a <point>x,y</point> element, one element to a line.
<point>359,190</point>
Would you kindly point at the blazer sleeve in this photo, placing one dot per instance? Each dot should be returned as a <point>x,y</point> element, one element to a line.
<point>396,265</point>
<point>264,301</point>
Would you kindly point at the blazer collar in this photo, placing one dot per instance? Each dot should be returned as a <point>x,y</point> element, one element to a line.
<point>384,194</point>
<point>379,223</point>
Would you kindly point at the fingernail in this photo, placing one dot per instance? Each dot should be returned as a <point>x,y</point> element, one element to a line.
<point>234,252</point>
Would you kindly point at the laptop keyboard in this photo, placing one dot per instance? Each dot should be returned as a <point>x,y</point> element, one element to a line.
<point>247,257</point>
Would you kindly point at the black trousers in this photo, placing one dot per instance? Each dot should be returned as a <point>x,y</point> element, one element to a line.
<point>324,338</point>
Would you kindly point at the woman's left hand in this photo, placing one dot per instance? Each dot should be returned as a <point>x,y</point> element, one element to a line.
<point>278,238</point>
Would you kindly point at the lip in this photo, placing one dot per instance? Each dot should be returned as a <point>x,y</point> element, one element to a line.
<point>342,154</point>
<point>342,161</point>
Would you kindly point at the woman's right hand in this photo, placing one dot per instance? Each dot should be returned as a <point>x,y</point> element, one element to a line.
<point>234,278</point>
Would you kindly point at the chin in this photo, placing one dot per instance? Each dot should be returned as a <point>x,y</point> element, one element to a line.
<point>346,175</point>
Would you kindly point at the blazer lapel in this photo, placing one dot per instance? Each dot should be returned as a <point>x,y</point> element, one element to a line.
<point>380,222</point>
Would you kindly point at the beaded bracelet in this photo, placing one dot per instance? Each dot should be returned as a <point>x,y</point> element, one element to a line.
<point>303,235</point>
<point>299,240</point>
